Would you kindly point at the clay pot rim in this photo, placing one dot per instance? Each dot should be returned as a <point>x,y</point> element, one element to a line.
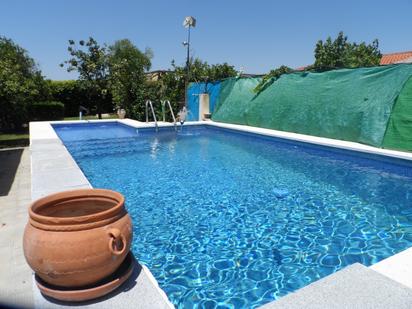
<point>112,213</point>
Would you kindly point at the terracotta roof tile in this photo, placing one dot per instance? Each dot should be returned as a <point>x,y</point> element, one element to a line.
<point>395,57</point>
<point>301,68</point>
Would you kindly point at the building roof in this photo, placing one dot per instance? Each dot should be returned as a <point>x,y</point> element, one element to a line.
<point>159,71</point>
<point>399,57</point>
<point>396,57</point>
<point>251,75</point>
<point>301,68</point>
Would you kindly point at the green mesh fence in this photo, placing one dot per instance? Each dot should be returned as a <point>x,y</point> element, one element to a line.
<point>399,131</point>
<point>347,104</point>
<point>235,99</point>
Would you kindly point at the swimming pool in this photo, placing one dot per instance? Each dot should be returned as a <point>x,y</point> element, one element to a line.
<point>223,218</point>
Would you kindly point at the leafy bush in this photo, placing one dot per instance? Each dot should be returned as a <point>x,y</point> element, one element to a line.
<point>127,65</point>
<point>74,93</point>
<point>49,110</point>
<point>69,93</point>
<point>271,77</point>
<point>90,60</point>
<point>329,55</point>
<point>340,53</point>
<point>21,82</point>
<point>171,86</point>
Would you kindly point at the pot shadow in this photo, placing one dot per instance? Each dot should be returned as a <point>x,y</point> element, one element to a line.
<point>128,285</point>
<point>10,160</point>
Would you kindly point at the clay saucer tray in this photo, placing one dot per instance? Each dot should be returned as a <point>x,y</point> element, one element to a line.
<point>102,288</point>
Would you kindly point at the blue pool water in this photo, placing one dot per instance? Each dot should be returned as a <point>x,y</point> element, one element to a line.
<point>224,219</point>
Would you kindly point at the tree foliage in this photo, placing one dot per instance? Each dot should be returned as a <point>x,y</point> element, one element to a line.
<point>117,73</point>
<point>127,66</point>
<point>21,83</point>
<point>173,84</point>
<point>201,71</point>
<point>340,53</point>
<point>271,77</point>
<point>89,59</point>
<point>332,54</point>
<point>119,70</point>
<point>48,110</point>
<point>72,93</point>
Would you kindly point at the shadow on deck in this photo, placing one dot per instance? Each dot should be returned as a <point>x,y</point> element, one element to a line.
<point>9,162</point>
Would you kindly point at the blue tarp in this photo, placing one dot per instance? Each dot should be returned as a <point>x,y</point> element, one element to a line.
<point>193,97</point>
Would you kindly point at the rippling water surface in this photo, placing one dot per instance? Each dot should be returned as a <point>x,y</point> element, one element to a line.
<point>224,219</point>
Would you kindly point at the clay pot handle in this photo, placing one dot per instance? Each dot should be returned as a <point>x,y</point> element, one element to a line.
<point>115,236</point>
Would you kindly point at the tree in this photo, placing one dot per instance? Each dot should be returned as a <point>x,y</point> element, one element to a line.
<point>171,86</point>
<point>332,55</point>
<point>127,66</point>
<point>90,61</point>
<point>271,77</point>
<point>72,94</point>
<point>340,53</point>
<point>200,71</point>
<point>21,83</point>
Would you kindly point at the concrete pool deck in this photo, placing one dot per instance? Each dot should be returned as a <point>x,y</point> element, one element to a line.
<point>356,286</point>
<point>53,169</point>
<point>15,274</point>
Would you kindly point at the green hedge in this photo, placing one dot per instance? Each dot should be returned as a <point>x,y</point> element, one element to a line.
<point>50,110</point>
<point>72,94</point>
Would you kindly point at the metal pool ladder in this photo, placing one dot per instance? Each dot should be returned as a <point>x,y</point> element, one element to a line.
<point>164,102</point>
<point>148,102</point>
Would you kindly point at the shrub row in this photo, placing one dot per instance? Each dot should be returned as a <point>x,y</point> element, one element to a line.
<point>56,100</point>
<point>72,94</point>
<point>49,110</point>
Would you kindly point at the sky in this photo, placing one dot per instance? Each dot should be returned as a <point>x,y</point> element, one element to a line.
<point>253,36</point>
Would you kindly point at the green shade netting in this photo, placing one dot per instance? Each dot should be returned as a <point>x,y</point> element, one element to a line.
<point>347,104</point>
<point>399,132</point>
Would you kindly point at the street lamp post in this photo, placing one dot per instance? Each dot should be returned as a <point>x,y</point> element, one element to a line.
<point>188,23</point>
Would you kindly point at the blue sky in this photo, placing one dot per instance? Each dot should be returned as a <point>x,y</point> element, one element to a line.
<point>253,35</point>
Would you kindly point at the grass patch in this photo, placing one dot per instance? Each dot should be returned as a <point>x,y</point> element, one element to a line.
<point>10,137</point>
<point>8,140</point>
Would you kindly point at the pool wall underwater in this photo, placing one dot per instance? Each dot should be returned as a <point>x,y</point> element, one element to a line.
<point>248,134</point>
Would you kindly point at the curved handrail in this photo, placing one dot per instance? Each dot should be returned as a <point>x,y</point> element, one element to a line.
<point>164,102</point>
<point>148,102</point>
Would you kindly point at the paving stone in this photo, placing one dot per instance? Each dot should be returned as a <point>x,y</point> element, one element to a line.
<point>59,180</point>
<point>139,292</point>
<point>15,280</point>
<point>354,287</point>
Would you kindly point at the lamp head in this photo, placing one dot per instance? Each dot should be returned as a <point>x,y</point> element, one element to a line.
<point>189,21</point>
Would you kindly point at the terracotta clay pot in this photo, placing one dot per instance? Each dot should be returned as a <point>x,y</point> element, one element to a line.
<point>76,238</point>
<point>121,113</point>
